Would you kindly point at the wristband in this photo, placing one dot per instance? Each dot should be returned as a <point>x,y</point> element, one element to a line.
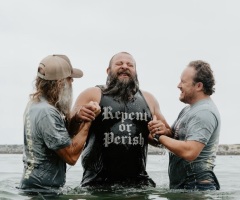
<point>156,138</point>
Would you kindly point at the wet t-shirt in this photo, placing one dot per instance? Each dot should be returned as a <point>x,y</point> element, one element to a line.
<point>198,122</point>
<point>44,133</point>
<point>116,147</point>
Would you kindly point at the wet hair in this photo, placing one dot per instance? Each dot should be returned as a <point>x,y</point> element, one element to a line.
<point>204,74</point>
<point>110,62</point>
<point>47,89</point>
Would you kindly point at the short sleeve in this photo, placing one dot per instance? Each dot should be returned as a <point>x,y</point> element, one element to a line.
<point>201,126</point>
<point>54,132</point>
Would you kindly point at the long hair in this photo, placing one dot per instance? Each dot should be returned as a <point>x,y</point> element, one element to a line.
<point>48,89</point>
<point>204,74</point>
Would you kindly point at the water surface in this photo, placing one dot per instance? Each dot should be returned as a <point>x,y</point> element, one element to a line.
<point>227,171</point>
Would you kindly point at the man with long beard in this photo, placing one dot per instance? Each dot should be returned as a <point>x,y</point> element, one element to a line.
<point>47,144</point>
<point>116,147</point>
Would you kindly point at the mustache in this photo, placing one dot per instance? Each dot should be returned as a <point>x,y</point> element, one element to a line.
<point>124,71</point>
<point>121,90</point>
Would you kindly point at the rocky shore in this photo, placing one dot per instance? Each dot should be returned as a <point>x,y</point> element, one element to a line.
<point>223,149</point>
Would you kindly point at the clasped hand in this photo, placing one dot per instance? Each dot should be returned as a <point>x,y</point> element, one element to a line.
<point>157,127</point>
<point>88,112</point>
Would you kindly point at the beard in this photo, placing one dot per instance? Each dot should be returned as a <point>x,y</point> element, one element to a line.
<point>64,103</point>
<point>188,97</point>
<point>123,89</point>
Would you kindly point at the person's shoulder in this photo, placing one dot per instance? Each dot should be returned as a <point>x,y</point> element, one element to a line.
<point>42,104</point>
<point>203,109</point>
<point>90,94</point>
<point>93,89</point>
<point>44,108</point>
<point>150,99</point>
<point>207,108</point>
<point>147,94</point>
<point>144,92</point>
<point>205,104</point>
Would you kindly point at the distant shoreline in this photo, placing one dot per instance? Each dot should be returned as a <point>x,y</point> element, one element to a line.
<point>223,149</point>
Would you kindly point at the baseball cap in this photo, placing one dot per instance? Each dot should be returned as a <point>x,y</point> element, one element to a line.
<point>56,67</point>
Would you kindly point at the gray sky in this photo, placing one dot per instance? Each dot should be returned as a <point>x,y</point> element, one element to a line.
<point>162,35</point>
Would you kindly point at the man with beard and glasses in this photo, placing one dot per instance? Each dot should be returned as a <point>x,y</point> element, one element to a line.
<point>115,152</point>
<point>196,132</point>
<point>47,144</point>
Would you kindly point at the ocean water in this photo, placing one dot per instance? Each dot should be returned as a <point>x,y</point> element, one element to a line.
<point>227,170</point>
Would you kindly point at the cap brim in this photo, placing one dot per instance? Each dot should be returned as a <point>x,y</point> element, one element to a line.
<point>76,73</point>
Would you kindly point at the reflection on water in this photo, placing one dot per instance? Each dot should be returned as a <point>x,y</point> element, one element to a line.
<point>227,168</point>
<point>137,194</point>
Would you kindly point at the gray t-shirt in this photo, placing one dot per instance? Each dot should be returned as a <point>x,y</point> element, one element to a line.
<point>198,122</point>
<point>44,133</point>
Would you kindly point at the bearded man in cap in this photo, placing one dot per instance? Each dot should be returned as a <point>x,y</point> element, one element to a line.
<point>116,148</point>
<point>47,144</point>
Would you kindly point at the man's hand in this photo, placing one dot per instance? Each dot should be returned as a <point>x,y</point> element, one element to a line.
<point>157,127</point>
<point>96,108</point>
<point>88,112</point>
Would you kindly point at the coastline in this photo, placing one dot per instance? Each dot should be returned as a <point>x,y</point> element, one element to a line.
<point>223,149</point>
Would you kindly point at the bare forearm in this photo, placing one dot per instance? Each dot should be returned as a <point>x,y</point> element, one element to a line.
<point>172,145</point>
<point>71,153</point>
<point>79,140</point>
<point>188,150</point>
<point>79,125</point>
<point>73,126</point>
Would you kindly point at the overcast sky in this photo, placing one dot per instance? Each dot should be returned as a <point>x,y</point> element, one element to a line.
<point>162,35</point>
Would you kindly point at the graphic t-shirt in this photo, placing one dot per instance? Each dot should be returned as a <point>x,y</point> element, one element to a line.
<point>116,147</point>
<point>44,133</point>
<point>198,122</point>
